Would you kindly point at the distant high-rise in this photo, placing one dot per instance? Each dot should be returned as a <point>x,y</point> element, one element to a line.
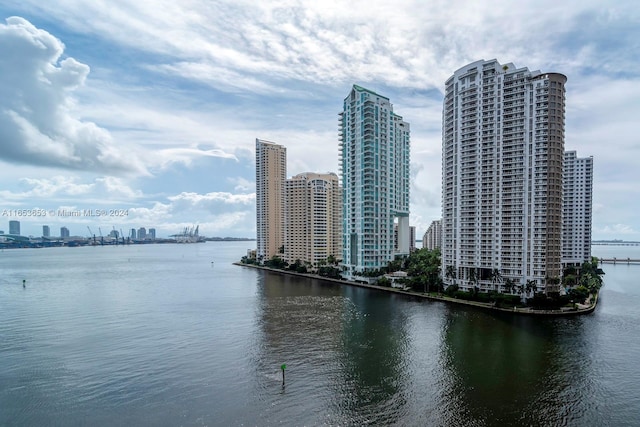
<point>432,239</point>
<point>313,218</point>
<point>412,238</point>
<point>14,227</point>
<point>133,234</point>
<point>374,166</point>
<point>64,232</point>
<point>271,173</point>
<point>142,233</point>
<point>46,232</point>
<point>577,187</point>
<point>152,233</point>
<point>502,155</point>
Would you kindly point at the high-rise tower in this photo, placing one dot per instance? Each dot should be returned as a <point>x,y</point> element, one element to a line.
<point>313,219</point>
<point>502,156</point>
<point>374,164</point>
<point>271,173</point>
<point>577,204</point>
<point>14,227</point>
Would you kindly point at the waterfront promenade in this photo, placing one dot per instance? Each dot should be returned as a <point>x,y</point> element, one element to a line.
<point>582,309</point>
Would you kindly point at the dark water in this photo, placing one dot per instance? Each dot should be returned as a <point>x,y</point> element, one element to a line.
<point>158,335</point>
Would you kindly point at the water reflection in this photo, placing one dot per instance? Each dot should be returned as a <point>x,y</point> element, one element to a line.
<point>345,350</point>
<point>374,376</point>
<point>514,370</point>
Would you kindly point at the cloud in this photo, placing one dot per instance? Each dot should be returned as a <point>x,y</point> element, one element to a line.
<point>57,188</point>
<point>207,79</point>
<point>165,157</point>
<point>210,200</point>
<point>36,122</point>
<point>617,230</point>
<point>242,184</point>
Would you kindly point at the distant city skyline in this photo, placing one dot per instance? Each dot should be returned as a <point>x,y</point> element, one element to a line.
<point>135,109</point>
<point>15,228</point>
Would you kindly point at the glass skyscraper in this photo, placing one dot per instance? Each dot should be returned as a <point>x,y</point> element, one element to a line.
<point>374,168</point>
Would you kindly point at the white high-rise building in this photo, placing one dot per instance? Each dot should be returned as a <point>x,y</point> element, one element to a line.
<point>432,238</point>
<point>374,167</point>
<point>502,156</point>
<point>271,174</point>
<point>313,218</point>
<point>577,185</point>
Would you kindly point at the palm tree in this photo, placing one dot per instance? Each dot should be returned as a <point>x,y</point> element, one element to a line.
<point>496,278</point>
<point>473,276</point>
<point>450,273</point>
<point>509,285</point>
<point>531,287</point>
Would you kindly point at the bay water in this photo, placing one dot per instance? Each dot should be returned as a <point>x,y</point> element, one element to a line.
<point>175,335</point>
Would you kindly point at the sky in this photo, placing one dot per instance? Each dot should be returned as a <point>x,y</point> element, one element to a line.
<point>145,114</point>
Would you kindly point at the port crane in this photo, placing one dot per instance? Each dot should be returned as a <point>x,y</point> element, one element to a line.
<point>91,234</point>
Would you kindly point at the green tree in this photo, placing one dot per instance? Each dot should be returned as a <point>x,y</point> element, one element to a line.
<point>496,277</point>
<point>591,275</point>
<point>383,281</point>
<point>276,262</point>
<point>423,266</point>
<point>530,287</point>
<point>473,276</point>
<point>509,285</point>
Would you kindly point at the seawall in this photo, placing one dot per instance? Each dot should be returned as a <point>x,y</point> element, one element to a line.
<point>527,311</point>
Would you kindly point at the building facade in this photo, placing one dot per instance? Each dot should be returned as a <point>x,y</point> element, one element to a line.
<point>432,238</point>
<point>271,174</point>
<point>64,232</point>
<point>46,232</point>
<point>374,167</point>
<point>502,156</point>
<point>14,227</point>
<point>412,238</point>
<point>577,187</point>
<point>313,218</point>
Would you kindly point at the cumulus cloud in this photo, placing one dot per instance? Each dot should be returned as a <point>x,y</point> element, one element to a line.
<point>242,184</point>
<point>36,122</point>
<point>215,75</point>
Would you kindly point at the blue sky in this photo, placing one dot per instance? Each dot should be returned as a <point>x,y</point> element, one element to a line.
<point>153,107</point>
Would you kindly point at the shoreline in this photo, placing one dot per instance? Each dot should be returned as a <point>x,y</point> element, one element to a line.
<point>526,311</point>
